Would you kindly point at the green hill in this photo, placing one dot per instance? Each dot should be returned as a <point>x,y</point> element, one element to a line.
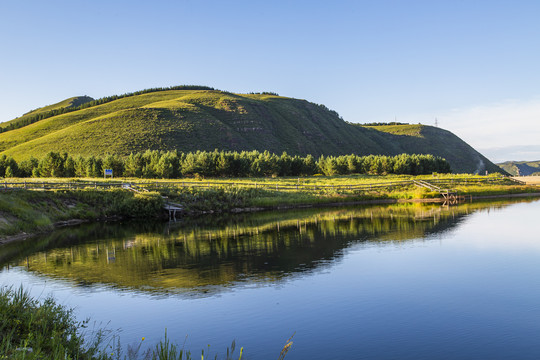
<point>68,103</point>
<point>521,168</point>
<point>43,112</point>
<point>191,119</point>
<point>432,140</point>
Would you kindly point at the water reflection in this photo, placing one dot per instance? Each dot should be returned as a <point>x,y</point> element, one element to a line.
<point>201,257</point>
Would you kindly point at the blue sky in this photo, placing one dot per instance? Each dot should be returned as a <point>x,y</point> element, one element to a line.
<point>473,65</point>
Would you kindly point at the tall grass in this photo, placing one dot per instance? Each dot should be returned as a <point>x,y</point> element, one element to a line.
<point>32,330</point>
<point>38,211</point>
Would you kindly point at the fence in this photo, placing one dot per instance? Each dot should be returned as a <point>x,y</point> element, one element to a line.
<point>159,185</point>
<point>43,185</point>
<point>449,182</point>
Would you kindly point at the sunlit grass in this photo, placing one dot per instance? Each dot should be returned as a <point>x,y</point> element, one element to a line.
<point>37,211</point>
<point>32,211</point>
<point>31,329</point>
<point>191,120</point>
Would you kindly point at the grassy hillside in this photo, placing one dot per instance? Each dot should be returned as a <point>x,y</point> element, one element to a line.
<point>190,120</point>
<point>432,140</point>
<point>521,168</point>
<point>71,102</point>
<point>35,115</point>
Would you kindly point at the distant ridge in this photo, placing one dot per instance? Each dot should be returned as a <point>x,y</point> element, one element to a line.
<point>521,168</point>
<point>191,118</point>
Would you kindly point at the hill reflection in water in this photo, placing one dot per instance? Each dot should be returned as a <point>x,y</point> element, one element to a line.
<point>202,257</point>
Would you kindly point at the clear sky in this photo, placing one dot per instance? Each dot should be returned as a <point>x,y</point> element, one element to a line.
<point>472,65</point>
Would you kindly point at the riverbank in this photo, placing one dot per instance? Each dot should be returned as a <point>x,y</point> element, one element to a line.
<point>24,213</point>
<point>171,271</point>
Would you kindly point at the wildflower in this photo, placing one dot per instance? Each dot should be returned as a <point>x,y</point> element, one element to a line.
<point>143,338</point>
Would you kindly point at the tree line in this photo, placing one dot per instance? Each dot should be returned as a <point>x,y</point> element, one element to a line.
<point>264,93</point>
<point>153,164</point>
<point>47,114</point>
<point>378,123</point>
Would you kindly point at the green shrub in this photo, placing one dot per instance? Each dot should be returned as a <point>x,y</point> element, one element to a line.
<point>33,330</point>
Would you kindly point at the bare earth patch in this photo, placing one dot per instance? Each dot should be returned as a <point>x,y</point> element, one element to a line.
<point>530,180</point>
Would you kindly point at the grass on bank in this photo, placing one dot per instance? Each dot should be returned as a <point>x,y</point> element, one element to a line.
<point>35,211</point>
<point>317,180</point>
<point>32,329</point>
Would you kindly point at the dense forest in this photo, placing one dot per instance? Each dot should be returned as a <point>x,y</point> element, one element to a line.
<point>172,164</point>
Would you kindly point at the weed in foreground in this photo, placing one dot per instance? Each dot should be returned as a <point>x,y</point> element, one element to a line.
<point>286,347</point>
<point>31,330</point>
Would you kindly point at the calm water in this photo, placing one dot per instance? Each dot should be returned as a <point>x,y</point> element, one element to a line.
<point>392,282</point>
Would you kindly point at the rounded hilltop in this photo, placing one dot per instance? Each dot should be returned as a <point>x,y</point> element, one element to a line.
<point>191,118</point>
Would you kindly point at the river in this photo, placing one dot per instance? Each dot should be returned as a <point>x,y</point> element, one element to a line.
<point>404,281</point>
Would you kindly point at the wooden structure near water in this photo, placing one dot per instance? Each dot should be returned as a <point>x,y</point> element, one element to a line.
<point>450,197</point>
<point>172,209</point>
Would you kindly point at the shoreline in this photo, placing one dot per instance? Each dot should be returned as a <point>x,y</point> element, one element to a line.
<point>74,222</point>
<point>57,225</point>
<point>383,201</point>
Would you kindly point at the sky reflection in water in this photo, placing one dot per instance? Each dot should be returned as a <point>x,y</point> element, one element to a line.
<point>388,282</point>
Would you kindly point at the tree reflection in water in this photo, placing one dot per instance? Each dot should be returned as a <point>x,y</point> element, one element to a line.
<point>201,257</point>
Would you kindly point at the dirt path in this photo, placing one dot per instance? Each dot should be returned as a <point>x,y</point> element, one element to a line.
<point>530,180</point>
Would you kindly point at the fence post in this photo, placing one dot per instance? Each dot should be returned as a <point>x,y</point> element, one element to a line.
<point>95,185</point>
